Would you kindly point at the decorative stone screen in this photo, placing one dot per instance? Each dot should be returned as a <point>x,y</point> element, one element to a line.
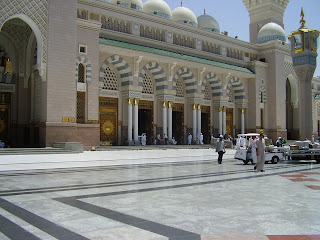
<point>147,86</point>
<point>110,80</point>
<point>179,92</point>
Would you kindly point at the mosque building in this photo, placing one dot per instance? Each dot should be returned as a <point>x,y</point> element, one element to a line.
<point>102,72</point>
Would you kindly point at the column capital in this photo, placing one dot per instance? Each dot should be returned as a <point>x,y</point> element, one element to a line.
<point>194,106</point>
<point>130,101</point>
<point>224,109</point>
<point>243,110</point>
<point>170,104</point>
<point>220,109</point>
<point>199,106</point>
<point>164,104</point>
<point>136,101</point>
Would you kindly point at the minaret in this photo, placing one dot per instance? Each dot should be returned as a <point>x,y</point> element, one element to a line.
<point>261,12</point>
<point>304,45</point>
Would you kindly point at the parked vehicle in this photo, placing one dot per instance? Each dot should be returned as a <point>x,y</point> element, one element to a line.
<point>303,150</point>
<point>244,152</point>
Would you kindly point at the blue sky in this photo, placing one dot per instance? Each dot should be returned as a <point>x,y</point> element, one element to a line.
<point>233,16</point>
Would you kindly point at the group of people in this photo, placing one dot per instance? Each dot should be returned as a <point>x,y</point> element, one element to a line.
<point>199,140</point>
<point>258,147</point>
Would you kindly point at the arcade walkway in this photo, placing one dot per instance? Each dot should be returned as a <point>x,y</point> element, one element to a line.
<point>176,194</point>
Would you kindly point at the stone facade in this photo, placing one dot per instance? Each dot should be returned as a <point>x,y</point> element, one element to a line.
<point>91,70</point>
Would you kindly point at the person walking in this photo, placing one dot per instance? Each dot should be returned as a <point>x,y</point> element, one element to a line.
<point>220,148</point>
<point>260,153</point>
<point>189,139</point>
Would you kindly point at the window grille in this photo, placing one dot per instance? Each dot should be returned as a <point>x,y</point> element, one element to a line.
<point>81,73</point>
<point>81,107</point>
<point>207,92</point>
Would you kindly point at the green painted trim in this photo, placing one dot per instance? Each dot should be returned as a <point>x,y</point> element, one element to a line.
<point>171,54</point>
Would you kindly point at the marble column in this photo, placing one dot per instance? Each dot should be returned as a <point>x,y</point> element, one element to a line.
<point>164,114</point>
<point>130,120</point>
<point>170,121</point>
<point>242,120</point>
<point>224,120</point>
<point>136,119</point>
<point>194,122</point>
<point>220,120</point>
<point>199,121</point>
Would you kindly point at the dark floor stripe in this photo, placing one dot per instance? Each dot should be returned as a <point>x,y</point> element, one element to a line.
<point>14,231</point>
<point>39,222</point>
<point>256,175</point>
<point>164,230</point>
<point>122,183</point>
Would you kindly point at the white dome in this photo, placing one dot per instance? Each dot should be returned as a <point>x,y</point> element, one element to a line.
<point>157,7</point>
<point>184,15</point>
<point>209,23</point>
<point>135,4</point>
<point>271,31</point>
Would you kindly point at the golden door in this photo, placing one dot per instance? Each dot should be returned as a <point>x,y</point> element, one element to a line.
<point>108,121</point>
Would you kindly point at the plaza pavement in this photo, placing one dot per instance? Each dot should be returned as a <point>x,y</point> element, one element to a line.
<point>156,194</point>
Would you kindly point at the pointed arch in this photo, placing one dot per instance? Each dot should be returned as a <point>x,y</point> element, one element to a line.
<point>188,78</point>
<point>236,85</point>
<point>158,74</point>
<point>83,60</point>
<point>123,68</point>
<point>36,31</point>
<point>215,83</point>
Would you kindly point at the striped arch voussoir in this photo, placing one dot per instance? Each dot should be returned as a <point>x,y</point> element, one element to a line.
<point>262,90</point>
<point>158,74</point>
<point>123,68</point>
<point>87,65</point>
<point>215,84</point>
<point>238,88</point>
<point>188,78</point>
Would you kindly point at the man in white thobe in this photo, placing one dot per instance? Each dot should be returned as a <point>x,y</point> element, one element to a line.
<point>189,139</point>
<point>260,153</point>
<point>201,139</point>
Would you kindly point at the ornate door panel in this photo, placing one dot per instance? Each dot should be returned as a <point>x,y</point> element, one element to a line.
<point>108,121</point>
<point>4,117</point>
<point>229,120</point>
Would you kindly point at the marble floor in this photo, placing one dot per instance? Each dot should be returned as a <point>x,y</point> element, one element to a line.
<point>156,195</point>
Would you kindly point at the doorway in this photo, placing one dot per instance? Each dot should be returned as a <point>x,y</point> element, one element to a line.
<point>145,123</point>
<point>205,124</point>
<point>108,108</point>
<point>178,123</point>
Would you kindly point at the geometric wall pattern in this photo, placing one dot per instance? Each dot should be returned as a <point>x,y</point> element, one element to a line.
<point>179,88</point>
<point>37,10</point>
<point>110,80</point>
<point>147,86</point>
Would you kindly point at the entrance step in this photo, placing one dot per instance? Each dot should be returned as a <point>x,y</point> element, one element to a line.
<point>32,151</point>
